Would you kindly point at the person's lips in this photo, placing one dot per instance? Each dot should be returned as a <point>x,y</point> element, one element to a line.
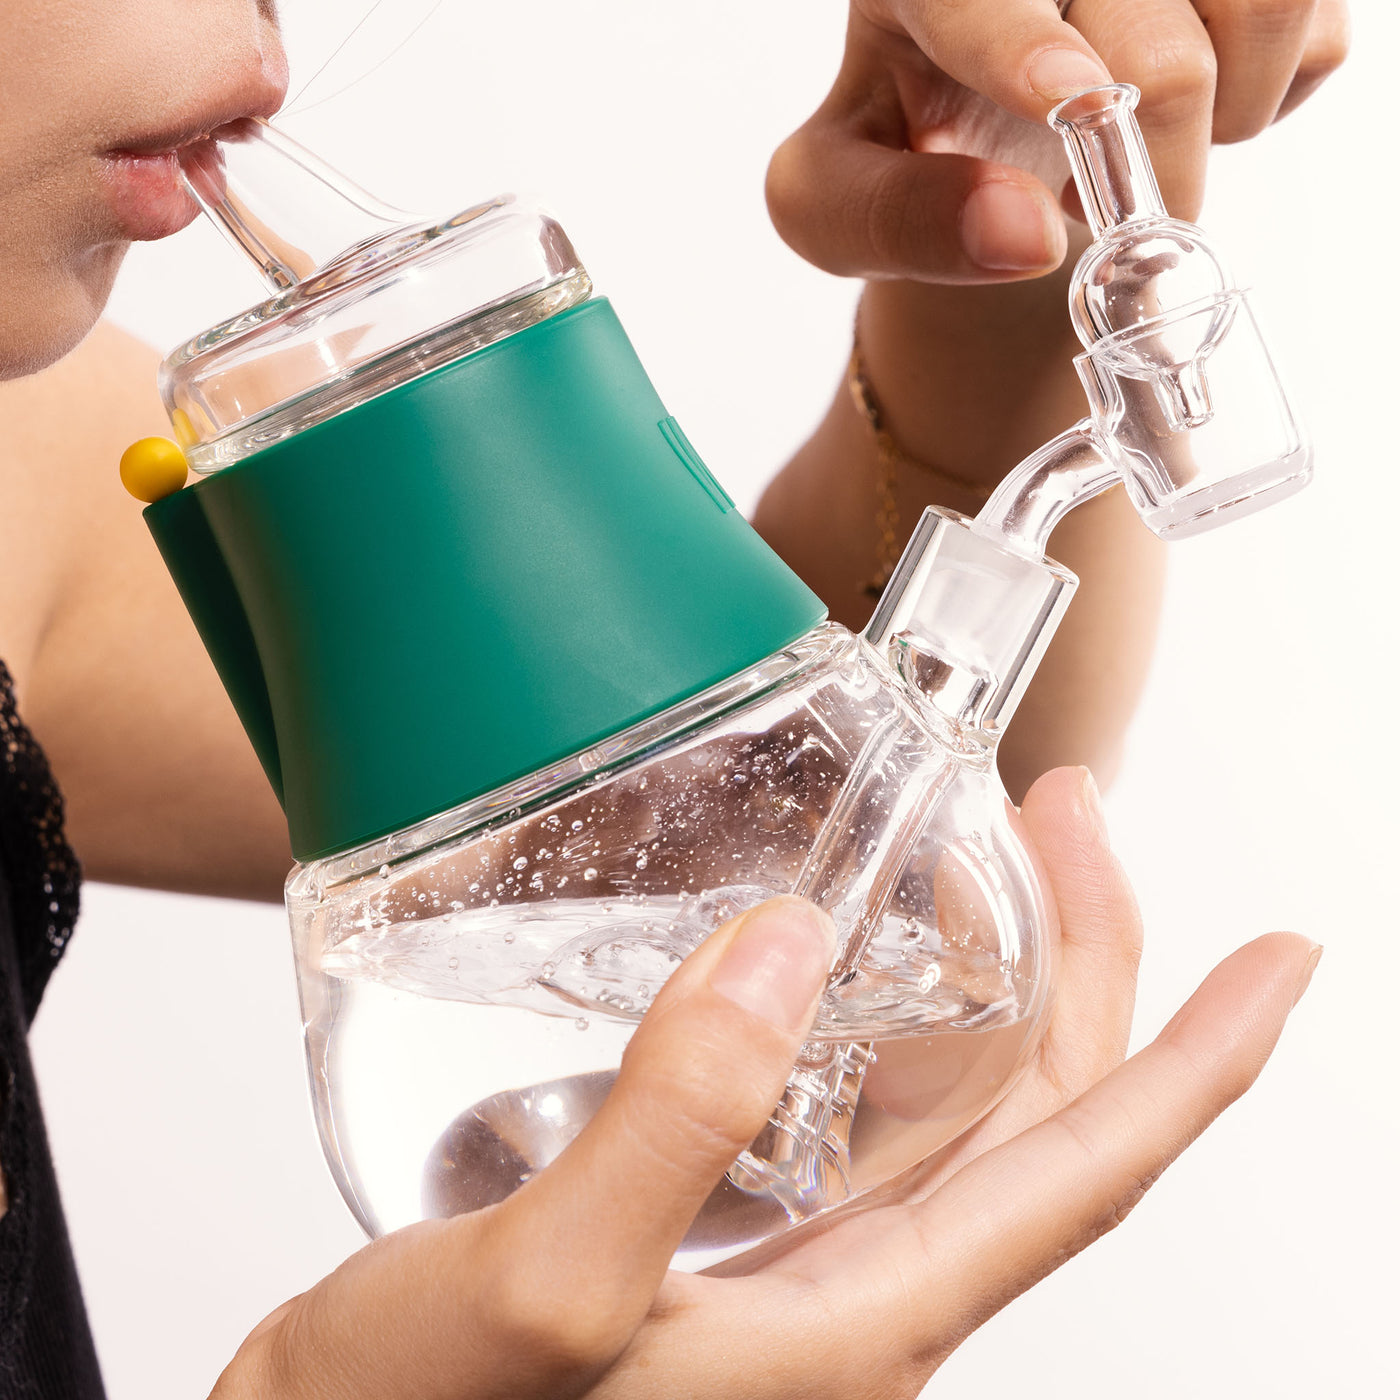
<point>147,194</point>
<point>141,175</point>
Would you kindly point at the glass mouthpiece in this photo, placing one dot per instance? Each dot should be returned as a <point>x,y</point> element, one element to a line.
<point>364,296</point>
<point>286,210</point>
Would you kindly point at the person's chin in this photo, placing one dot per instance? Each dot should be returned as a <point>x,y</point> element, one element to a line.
<point>45,315</point>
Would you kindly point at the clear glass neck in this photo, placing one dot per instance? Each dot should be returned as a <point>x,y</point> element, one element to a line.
<point>1109,158</point>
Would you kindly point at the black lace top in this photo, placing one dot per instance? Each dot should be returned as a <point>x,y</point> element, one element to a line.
<point>46,1350</point>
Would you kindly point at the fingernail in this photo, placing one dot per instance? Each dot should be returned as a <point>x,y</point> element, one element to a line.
<point>1004,227</point>
<point>1309,968</point>
<point>777,962</point>
<point>1093,805</point>
<point>1055,74</point>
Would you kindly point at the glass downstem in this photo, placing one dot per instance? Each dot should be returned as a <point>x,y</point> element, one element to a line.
<point>802,1158</point>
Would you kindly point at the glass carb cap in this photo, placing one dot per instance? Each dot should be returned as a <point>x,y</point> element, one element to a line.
<point>364,296</point>
<point>1184,394</point>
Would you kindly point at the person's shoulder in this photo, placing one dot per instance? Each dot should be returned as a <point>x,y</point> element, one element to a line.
<point>62,433</point>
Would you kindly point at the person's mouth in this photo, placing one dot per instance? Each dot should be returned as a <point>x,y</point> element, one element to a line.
<point>147,194</point>
<point>142,180</point>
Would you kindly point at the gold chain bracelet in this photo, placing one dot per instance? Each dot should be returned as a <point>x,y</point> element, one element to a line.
<point>890,456</point>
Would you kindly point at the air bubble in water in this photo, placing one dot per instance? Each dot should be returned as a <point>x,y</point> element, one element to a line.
<point>581,1024</point>
<point>453,964</point>
<point>575,826</point>
<point>507,937</point>
<point>519,863</point>
<point>590,874</point>
<point>383,872</point>
<point>547,970</point>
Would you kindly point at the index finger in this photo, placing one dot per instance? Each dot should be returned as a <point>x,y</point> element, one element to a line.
<point>1019,1212</point>
<point>1019,53</point>
<point>909,1283</point>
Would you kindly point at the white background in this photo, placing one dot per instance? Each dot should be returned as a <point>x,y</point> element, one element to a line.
<point>1257,790</point>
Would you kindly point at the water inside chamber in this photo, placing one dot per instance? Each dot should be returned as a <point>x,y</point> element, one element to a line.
<point>587,908</point>
<point>609,958</point>
<point>873,1072</point>
<point>443,1107</point>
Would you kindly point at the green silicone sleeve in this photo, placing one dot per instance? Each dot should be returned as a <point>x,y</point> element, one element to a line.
<point>469,577</point>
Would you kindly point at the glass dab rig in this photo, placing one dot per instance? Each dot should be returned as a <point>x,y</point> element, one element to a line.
<point>543,710</point>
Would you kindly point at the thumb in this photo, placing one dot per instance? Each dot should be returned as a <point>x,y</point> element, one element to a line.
<point>697,1083</point>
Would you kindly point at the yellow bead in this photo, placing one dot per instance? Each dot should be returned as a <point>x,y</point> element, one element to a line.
<point>153,468</point>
